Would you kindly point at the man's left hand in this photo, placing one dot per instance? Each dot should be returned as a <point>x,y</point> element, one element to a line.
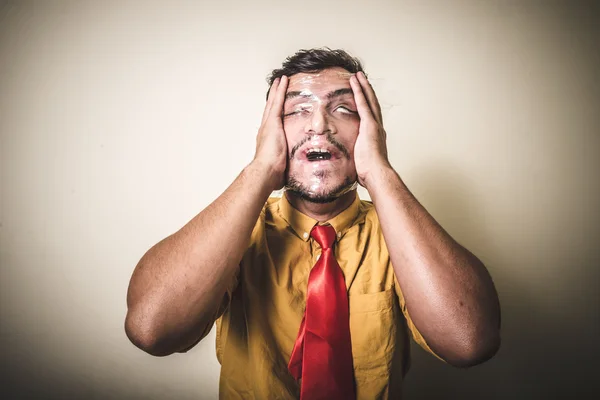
<point>370,150</point>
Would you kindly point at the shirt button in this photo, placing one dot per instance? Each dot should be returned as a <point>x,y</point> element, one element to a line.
<point>305,235</point>
<point>339,235</point>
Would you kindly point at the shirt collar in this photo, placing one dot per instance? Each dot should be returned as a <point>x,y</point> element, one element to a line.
<point>302,224</point>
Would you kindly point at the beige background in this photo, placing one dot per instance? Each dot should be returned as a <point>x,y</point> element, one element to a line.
<point>120,120</point>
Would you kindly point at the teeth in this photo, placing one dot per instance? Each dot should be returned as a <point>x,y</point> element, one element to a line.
<point>310,151</point>
<point>317,153</point>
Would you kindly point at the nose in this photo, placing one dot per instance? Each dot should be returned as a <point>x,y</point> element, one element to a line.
<point>319,123</point>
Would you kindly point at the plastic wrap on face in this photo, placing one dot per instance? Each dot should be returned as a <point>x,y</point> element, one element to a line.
<point>321,124</point>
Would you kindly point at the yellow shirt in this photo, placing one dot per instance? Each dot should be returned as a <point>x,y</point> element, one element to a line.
<point>262,313</point>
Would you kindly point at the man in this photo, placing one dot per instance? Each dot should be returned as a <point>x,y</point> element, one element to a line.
<point>315,294</point>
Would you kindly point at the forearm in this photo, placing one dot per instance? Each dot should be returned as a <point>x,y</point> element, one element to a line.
<point>448,291</point>
<point>179,283</point>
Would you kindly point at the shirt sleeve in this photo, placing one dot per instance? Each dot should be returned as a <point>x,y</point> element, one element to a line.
<point>220,310</point>
<point>416,335</point>
<point>224,302</point>
<point>228,294</point>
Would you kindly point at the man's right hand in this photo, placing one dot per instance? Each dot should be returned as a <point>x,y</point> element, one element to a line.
<point>271,145</point>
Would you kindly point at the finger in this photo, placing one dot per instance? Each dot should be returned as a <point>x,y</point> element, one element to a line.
<point>371,96</point>
<point>362,106</point>
<point>279,98</point>
<point>272,91</point>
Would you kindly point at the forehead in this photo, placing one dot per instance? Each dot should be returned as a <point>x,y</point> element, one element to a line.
<point>320,82</point>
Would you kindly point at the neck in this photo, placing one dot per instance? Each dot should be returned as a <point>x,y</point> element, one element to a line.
<point>321,212</point>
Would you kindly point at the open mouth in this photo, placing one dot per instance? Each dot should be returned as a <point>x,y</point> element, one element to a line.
<point>318,155</point>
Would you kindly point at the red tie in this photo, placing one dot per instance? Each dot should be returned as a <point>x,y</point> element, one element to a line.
<point>322,354</point>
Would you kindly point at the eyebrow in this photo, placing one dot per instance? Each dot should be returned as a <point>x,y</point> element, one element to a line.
<point>330,95</point>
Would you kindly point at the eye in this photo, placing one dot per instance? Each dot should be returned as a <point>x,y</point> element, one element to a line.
<point>345,110</point>
<point>301,109</point>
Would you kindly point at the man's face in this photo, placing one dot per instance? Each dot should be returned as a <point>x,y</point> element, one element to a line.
<point>321,125</point>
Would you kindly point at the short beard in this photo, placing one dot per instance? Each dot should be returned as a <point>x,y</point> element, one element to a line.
<point>297,189</point>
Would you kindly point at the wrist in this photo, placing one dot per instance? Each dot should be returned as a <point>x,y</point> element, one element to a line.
<point>265,174</point>
<point>376,175</point>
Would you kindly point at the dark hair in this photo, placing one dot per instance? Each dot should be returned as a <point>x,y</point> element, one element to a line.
<point>315,60</point>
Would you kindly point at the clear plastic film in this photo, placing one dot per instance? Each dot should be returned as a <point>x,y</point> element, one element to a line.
<point>321,123</point>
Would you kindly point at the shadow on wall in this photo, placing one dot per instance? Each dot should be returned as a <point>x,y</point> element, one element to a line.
<point>542,356</point>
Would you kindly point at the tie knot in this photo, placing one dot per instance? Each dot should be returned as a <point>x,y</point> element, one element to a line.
<point>324,235</point>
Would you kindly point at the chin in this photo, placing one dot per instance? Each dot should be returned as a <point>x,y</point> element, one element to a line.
<point>326,193</point>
